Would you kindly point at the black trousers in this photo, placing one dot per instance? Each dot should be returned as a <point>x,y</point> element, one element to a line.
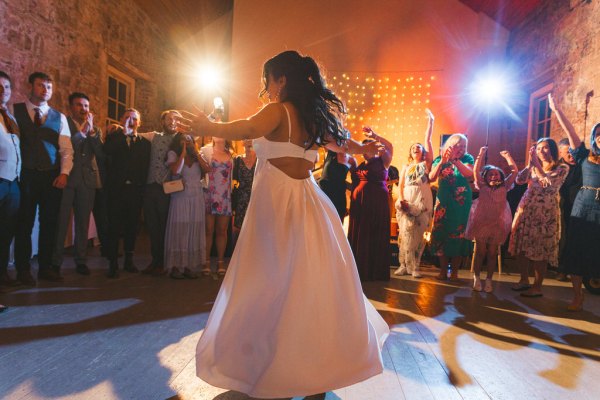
<point>10,196</point>
<point>37,191</point>
<point>124,211</point>
<point>156,212</point>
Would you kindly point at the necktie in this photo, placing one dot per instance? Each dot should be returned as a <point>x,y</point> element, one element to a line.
<point>37,119</point>
<point>8,122</point>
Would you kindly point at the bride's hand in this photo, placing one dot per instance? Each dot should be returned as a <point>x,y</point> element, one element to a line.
<point>190,122</point>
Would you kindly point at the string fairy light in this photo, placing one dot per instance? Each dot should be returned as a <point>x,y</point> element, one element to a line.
<point>379,100</point>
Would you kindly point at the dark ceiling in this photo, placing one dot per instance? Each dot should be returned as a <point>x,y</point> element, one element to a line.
<point>508,13</point>
<point>181,17</point>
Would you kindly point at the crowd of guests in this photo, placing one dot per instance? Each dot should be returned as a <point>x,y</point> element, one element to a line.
<point>556,223</point>
<point>56,166</point>
<point>59,165</point>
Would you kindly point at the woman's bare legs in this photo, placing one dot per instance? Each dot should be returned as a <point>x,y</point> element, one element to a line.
<point>210,231</point>
<point>221,225</point>
<point>577,302</point>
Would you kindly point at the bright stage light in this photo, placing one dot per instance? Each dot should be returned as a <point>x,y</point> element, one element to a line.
<point>209,76</point>
<point>489,89</point>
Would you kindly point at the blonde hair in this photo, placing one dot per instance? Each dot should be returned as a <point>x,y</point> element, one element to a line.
<point>454,139</point>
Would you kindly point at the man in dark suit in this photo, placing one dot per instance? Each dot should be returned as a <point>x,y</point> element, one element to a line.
<point>47,159</point>
<point>128,158</point>
<point>80,191</point>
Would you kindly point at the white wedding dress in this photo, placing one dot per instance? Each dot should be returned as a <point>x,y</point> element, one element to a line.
<point>290,318</point>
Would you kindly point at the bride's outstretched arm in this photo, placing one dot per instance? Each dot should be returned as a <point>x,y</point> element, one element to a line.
<point>260,124</point>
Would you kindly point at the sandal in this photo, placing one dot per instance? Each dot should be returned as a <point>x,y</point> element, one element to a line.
<point>221,270</point>
<point>519,287</point>
<point>206,271</point>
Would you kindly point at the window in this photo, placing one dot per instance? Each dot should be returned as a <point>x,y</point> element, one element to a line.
<point>120,94</point>
<point>540,116</point>
<point>542,120</point>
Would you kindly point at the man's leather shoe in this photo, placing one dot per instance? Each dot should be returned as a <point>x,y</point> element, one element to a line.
<point>128,264</point>
<point>49,274</point>
<point>131,268</point>
<point>26,278</point>
<point>82,269</point>
<point>148,270</point>
<point>113,270</point>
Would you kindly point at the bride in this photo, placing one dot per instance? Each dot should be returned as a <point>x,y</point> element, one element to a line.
<point>290,318</point>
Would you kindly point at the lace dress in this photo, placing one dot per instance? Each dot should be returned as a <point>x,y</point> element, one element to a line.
<point>185,237</point>
<point>413,223</point>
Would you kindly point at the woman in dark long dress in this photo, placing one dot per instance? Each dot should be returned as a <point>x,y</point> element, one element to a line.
<point>582,254</point>
<point>243,176</point>
<point>369,230</point>
<point>333,179</point>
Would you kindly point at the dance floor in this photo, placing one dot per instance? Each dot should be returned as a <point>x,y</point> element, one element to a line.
<point>135,338</point>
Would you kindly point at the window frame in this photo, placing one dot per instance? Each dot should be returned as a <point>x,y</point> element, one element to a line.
<point>532,131</point>
<point>123,78</point>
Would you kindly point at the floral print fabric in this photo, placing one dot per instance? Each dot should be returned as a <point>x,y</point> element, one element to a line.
<point>218,194</point>
<point>454,198</point>
<point>536,227</point>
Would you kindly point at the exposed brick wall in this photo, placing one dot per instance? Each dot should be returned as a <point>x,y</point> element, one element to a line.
<point>560,44</point>
<point>74,41</point>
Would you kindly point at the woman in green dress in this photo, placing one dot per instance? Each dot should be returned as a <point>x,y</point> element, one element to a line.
<point>454,197</point>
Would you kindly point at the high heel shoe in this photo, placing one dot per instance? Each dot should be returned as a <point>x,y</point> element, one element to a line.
<point>221,270</point>
<point>206,269</point>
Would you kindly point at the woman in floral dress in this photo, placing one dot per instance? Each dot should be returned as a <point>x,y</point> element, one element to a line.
<point>414,204</point>
<point>454,198</point>
<point>536,226</point>
<point>217,199</point>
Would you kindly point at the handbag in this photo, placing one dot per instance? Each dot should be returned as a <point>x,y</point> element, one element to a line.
<point>173,186</point>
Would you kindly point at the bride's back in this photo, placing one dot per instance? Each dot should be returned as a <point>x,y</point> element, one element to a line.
<point>294,167</point>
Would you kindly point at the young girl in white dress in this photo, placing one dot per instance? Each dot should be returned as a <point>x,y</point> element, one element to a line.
<point>490,218</point>
<point>414,206</point>
<point>290,318</point>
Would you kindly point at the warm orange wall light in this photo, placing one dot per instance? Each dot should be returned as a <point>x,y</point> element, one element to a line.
<point>392,104</point>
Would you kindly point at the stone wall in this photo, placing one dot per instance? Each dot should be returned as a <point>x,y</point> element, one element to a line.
<point>559,45</point>
<point>75,41</point>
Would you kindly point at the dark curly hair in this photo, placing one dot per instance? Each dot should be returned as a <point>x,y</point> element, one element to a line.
<point>320,109</point>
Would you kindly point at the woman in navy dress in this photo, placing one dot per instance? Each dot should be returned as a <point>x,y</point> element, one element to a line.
<point>582,254</point>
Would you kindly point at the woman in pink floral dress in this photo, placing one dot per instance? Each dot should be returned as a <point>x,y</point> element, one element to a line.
<point>217,199</point>
<point>536,226</point>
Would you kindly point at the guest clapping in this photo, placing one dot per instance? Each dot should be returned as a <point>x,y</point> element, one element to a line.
<point>454,197</point>
<point>536,225</point>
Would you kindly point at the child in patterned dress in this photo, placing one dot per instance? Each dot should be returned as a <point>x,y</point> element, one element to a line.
<point>490,217</point>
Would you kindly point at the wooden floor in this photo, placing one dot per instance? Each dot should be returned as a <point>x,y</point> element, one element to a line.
<point>135,338</point>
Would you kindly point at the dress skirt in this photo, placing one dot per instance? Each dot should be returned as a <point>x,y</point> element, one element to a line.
<point>290,318</point>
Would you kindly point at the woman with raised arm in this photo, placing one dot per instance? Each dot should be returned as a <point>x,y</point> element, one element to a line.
<point>415,204</point>
<point>490,218</point>
<point>454,197</point>
<point>369,227</point>
<point>582,252</point>
<point>536,226</point>
<point>290,318</point>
